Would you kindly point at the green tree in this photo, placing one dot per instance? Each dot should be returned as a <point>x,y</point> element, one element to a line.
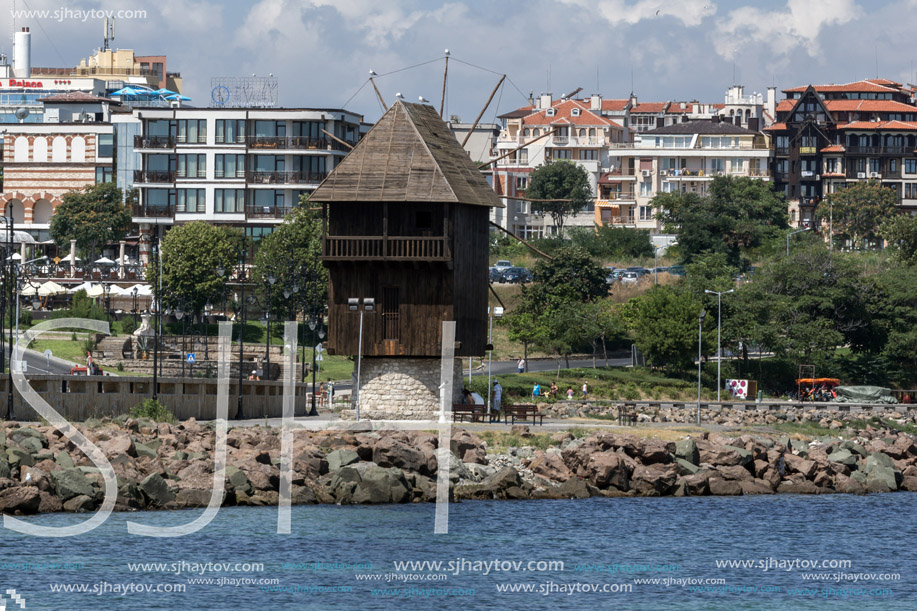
<point>291,254</point>
<point>738,214</point>
<point>559,180</point>
<point>191,255</point>
<point>571,273</point>
<point>897,319</point>
<point>858,210</point>
<point>665,324</point>
<point>93,216</point>
<point>901,233</point>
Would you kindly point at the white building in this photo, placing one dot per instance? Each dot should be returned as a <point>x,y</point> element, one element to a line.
<point>238,166</point>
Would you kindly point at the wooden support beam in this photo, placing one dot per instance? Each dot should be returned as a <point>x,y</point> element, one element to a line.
<point>521,146</point>
<point>379,95</point>
<point>491,287</point>
<point>338,140</point>
<point>442,102</point>
<point>483,110</point>
<point>512,235</point>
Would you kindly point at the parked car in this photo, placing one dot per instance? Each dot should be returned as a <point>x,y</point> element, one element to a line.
<point>517,275</point>
<point>502,265</point>
<point>677,270</point>
<point>495,275</point>
<point>631,277</point>
<point>614,276</point>
<point>660,270</point>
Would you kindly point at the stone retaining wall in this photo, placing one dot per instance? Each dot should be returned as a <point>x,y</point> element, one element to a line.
<point>403,388</point>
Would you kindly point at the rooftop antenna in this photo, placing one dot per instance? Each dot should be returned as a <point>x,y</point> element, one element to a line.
<point>877,60</point>
<point>108,34</point>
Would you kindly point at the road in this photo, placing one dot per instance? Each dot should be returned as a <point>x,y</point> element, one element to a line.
<point>36,363</point>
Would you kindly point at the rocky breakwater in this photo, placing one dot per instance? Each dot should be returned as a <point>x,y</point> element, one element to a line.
<point>170,466</point>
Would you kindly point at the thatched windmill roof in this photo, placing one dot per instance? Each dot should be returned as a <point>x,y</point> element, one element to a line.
<point>410,155</point>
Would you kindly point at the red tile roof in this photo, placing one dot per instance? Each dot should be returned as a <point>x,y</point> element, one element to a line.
<point>775,127</point>
<point>615,104</point>
<point>650,107</point>
<point>868,106</point>
<point>833,148</point>
<point>882,125</point>
<point>786,105</point>
<point>867,86</point>
<point>563,115</point>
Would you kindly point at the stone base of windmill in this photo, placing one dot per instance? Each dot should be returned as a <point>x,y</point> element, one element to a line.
<point>402,389</point>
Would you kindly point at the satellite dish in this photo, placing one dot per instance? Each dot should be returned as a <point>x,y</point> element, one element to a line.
<point>21,114</point>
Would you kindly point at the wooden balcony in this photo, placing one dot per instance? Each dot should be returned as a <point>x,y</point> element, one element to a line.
<point>385,248</point>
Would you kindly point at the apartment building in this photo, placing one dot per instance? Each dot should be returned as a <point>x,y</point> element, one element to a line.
<point>680,157</point>
<point>573,130</point>
<point>241,167</point>
<point>828,137</point>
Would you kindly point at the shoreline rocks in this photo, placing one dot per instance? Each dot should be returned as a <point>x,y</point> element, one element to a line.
<point>170,466</point>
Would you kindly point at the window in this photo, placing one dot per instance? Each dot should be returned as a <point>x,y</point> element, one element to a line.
<point>646,188</point>
<point>523,155</point>
<point>106,145</point>
<point>230,131</point>
<point>562,154</point>
<point>159,198</point>
<point>423,219</point>
<point>910,166</point>
<point>192,166</point>
<point>228,200</point>
<point>522,183</point>
<point>910,190</point>
<point>669,187</point>
<point>191,200</point>
<point>738,166</point>
<point>390,307</point>
<point>589,155</point>
<point>893,166</point>
<point>875,164</point>
<point>192,131</point>
<point>809,142</point>
<point>646,213</point>
<point>861,165</point>
<point>716,165</point>
<point>831,166</point>
<point>267,200</point>
<point>104,174</point>
<point>229,166</point>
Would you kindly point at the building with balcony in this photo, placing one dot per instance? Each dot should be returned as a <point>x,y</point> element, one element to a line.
<point>829,136</point>
<point>573,130</point>
<point>682,157</point>
<point>237,166</point>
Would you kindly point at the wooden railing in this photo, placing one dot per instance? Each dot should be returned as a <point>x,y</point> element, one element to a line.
<point>392,248</point>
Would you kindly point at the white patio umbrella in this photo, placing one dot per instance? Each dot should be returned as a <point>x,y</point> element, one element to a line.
<point>143,290</point>
<point>67,259</point>
<point>82,287</point>
<point>114,290</point>
<point>50,288</point>
<point>95,291</point>
<point>104,261</point>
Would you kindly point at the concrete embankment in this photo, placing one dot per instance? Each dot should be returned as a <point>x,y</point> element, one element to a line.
<point>170,466</point>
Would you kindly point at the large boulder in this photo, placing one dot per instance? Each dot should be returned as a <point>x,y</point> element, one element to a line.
<point>79,504</point>
<point>878,459</point>
<point>724,487</point>
<point>369,483</point>
<point>653,480</point>
<point>69,483</point>
<point>756,486</point>
<point>156,490</point>
<point>505,483</point>
<point>238,480</point>
<point>797,464</point>
<point>550,464</point>
<point>843,456</point>
<point>609,469</point>
<point>119,444</point>
<point>686,449</point>
<point>19,457</point>
<point>337,459</point>
<point>881,479</point>
<point>21,499</point>
<point>390,452</point>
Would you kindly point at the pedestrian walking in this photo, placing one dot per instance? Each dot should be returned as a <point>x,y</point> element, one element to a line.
<point>521,365</point>
<point>585,390</point>
<point>495,406</point>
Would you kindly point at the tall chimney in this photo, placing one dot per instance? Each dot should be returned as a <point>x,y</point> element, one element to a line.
<point>771,104</point>
<point>22,54</point>
<point>595,102</point>
<point>545,101</point>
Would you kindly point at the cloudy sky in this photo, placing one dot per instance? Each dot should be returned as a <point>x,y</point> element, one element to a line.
<point>322,50</point>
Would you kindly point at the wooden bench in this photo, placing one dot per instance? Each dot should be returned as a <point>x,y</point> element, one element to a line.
<point>474,413</point>
<point>522,412</point>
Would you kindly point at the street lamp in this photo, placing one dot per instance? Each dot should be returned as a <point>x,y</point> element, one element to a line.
<point>700,337</point>
<point>494,312</point>
<point>369,305</point>
<point>221,271</point>
<point>321,335</point>
<point>134,304</point>
<point>719,320</point>
<point>180,315</point>
<point>271,279</point>
<point>792,233</point>
<point>106,289</point>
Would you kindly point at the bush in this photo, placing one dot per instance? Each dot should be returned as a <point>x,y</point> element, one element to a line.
<point>127,325</point>
<point>120,366</point>
<point>154,410</point>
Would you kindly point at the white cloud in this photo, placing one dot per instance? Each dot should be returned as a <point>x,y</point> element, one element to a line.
<point>800,23</point>
<point>689,12</point>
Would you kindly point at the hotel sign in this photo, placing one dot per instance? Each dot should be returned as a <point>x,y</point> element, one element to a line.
<point>25,84</point>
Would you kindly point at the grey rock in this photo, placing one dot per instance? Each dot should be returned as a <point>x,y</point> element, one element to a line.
<point>18,457</point>
<point>143,449</point>
<point>686,450</point>
<point>238,479</point>
<point>31,445</point>
<point>64,460</point>
<point>338,459</point>
<point>156,490</point>
<point>878,459</point>
<point>79,504</point>
<point>844,457</point>
<point>4,468</point>
<point>881,479</point>
<point>21,499</point>
<point>685,467</point>
<point>70,483</point>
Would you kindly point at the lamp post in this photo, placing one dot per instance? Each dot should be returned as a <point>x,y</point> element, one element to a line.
<point>241,316</point>
<point>5,306</point>
<point>719,320</point>
<point>208,308</point>
<point>792,233</point>
<point>271,279</point>
<point>494,312</point>
<point>700,337</point>
<point>134,304</point>
<point>369,305</point>
<point>106,290</point>
<point>321,335</point>
<point>180,315</point>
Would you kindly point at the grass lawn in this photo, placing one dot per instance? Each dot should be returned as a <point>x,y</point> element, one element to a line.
<point>62,349</point>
